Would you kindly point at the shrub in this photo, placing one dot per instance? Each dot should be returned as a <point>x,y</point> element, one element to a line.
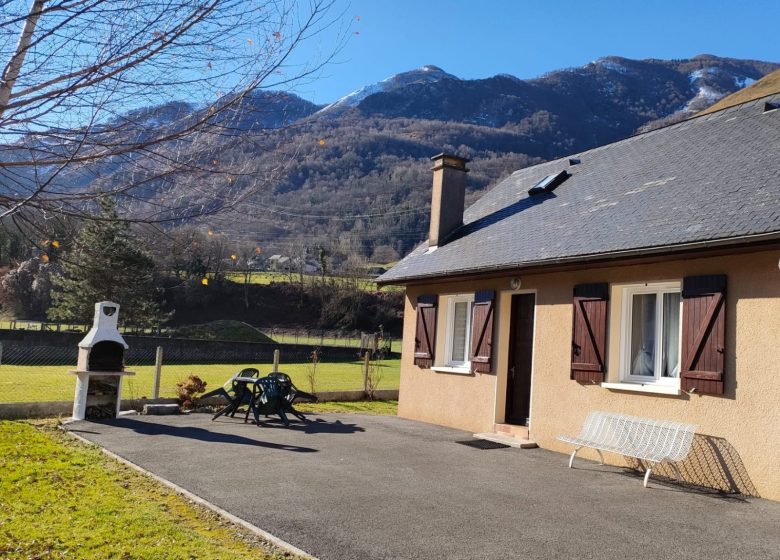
<point>188,389</point>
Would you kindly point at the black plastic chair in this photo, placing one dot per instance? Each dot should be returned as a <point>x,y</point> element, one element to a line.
<point>291,393</point>
<point>267,399</point>
<point>236,394</point>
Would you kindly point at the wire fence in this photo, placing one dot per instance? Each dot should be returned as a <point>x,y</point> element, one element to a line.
<point>37,372</point>
<point>313,337</point>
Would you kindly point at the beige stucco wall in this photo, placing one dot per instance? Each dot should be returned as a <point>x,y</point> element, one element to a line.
<point>449,399</point>
<point>743,451</point>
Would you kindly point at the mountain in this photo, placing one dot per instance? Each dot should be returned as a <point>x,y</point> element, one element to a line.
<point>263,109</point>
<point>767,85</point>
<point>354,175</point>
<point>428,74</point>
<point>361,163</point>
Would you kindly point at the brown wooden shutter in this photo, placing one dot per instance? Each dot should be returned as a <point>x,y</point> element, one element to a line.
<point>425,337</point>
<point>589,332</point>
<point>703,333</point>
<point>482,331</point>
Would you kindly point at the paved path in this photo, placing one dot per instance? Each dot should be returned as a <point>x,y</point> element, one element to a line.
<point>357,487</point>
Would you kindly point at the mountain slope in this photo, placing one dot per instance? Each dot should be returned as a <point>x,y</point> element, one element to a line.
<point>359,174</point>
<point>425,75</point>
<point>767,85</point>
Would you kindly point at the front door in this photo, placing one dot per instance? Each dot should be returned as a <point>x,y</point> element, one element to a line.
<point>521,342</point>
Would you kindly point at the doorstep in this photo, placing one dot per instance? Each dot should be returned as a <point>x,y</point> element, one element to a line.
<point>514,430</point>
<point>522,443</point>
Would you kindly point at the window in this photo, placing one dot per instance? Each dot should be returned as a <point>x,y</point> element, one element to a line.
<point>458,351</point>
<point>650,334</point>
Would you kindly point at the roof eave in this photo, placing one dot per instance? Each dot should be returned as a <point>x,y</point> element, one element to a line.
<point>596,258</point>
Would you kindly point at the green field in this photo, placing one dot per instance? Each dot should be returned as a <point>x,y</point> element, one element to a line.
<point>313,340</point>
<point>52,383</point>
<point>265,278</point>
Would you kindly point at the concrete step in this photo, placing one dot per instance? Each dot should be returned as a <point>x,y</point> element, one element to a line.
<point>512,430</point>
<point>522,443</point>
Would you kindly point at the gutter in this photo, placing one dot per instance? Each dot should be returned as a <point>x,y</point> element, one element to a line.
<point>595,258</point>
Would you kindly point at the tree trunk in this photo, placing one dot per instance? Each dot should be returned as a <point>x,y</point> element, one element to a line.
<point>14,66</point>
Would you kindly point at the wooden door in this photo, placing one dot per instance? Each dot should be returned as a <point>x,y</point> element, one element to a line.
<point>521,342</point>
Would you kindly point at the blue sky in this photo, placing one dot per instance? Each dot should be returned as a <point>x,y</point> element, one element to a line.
<point>526,38</point>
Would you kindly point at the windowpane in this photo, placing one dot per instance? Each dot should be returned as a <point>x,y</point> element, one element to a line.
<point>670,366</point>
<point>643,332</point>
<point>459,326</point>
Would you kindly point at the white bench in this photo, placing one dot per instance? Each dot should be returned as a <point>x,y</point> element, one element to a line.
<point>645,439</point>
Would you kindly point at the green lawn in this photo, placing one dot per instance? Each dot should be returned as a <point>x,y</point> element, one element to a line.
<point>61,499</point>
<point>358,407</point>
<point>267,277</point>
<point>287,337</point>
<point>52,383</point>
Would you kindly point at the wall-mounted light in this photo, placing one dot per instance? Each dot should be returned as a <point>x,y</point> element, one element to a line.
<point>515,283</point>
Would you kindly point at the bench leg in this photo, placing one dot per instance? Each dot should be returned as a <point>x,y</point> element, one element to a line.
<point>571,459</point>
<point>574,453</point>
<point>647,475</point>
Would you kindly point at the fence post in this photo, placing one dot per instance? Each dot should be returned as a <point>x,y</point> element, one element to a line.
<point>157,371</point>
<point>366,359</point>
<point>276,361</point>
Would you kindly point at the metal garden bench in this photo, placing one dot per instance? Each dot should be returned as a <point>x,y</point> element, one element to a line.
<point>654,441</point>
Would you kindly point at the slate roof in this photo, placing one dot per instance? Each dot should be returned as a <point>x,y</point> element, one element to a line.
<point>708,180</point>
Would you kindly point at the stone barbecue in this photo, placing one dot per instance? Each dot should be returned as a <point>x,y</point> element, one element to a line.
<point>100,367</point>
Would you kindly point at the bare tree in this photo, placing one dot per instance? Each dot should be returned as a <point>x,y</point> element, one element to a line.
<point>80,77</point>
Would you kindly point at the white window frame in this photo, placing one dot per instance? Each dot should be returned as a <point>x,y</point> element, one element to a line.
<point>448,347</point>
<point>628,292</point>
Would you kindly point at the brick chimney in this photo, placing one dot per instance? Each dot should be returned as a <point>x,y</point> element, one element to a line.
<point>449,192</point>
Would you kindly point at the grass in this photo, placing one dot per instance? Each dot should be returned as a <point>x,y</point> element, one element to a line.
<point>313,340</point>
<point>358,407</point>
<point>62,499</point>
<point>52,383</point>
<point>265,278</point>
<point>222,330</point>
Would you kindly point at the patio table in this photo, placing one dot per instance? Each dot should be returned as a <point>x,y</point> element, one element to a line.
<point>244,385</point>
<point>272,394</point>
<point>241,391</point>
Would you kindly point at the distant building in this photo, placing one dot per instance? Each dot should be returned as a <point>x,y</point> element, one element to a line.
<point>279,263</point>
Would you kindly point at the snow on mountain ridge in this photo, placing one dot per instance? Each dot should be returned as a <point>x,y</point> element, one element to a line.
<point>743,81</point>
<point>609,63</point>
<point>425,75</point>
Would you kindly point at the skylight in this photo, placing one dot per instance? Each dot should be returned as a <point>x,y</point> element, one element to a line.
<point>771,106</point>
<point>549,183</point>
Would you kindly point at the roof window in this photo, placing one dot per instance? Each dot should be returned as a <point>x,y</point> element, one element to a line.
<point>771,106</point>
<point>549,183</point>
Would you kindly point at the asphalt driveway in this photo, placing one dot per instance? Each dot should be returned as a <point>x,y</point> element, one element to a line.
<point>356,487</point>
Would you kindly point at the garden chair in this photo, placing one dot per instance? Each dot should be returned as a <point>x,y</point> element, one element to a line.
<point>291,393</point>
<point>267,399</point>
<point>235,393</point>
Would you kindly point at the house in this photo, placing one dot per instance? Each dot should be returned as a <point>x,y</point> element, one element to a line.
<point>278,263</point>
<point>640,277</point>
